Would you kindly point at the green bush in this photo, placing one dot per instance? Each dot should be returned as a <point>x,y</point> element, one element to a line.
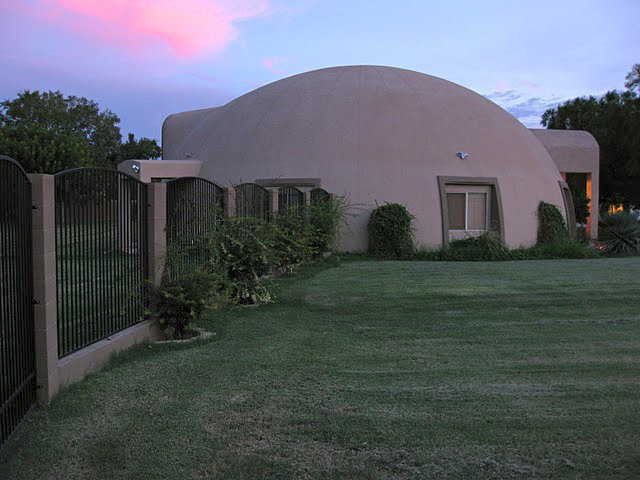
<point>581,205</point>
<point>572,249</point>
<point>551,226</point>
<point>620,234</point>
<point>325,217</point>
<point>178,302</point>
<point>290,237</point>
<point>240,250</point>
<point>390,231</point>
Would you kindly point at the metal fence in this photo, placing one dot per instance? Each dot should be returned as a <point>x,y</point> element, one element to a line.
<point>101,255</point>
<point>290,199</point>
<point>319,195</point>
<point>17,350</point>
<point>195,207</point>
<point>252,201</point>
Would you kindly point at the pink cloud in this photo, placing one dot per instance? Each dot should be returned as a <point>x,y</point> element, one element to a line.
<point>187,28</point>
<point>273,64</point>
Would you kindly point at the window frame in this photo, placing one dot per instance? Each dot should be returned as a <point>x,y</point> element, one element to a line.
<point>487,211</point>
<point>492,182</point>
<point>569,208</point>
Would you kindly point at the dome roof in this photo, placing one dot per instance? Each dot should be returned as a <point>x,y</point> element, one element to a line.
<point>374,133</point>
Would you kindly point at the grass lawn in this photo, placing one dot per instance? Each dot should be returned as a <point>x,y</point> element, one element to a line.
<point>372,370</point>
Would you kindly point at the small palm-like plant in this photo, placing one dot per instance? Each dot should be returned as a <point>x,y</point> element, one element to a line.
<point>620,234</point>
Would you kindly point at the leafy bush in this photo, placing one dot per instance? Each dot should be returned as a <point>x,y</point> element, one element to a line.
<point>581,205</point>
<point>240,250</point>
<point>484,247</point>
<point>551,226</point>
<point>177,302</point>
<point>620,234</point>
<point>572,249</point>
<point>290,237</point>
<point>488,247</point>
<point>325,217</point>
<point>390,231</point>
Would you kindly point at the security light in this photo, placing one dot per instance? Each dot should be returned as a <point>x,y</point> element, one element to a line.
<point>135,167</point>
<point>462,155</point>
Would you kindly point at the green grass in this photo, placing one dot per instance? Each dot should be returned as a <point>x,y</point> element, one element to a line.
<point>372,370</point>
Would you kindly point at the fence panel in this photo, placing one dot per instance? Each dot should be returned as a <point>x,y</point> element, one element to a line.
<point>319,195</point>
<point>101,255</point>
<point>195,206</point>
<point>290,199</point>
<point>17,362</point>
<point>253,201</point>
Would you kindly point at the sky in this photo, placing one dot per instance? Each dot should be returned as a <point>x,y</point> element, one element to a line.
<point>146,59</point>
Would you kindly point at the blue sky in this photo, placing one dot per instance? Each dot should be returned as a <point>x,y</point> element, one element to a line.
<point>145,59</point>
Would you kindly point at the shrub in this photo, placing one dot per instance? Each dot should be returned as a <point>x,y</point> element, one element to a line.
<point>581,205</point>
<point>484,247</point>
<point>390,231</point>
<point>551,226</point>
<point>572,249</point>
<point>177,302</point>
<point>620,234</point>
<point>240,250</point>
<point>290,237</point>
<point>325,217</point>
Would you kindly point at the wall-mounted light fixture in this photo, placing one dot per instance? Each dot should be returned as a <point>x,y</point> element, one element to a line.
<point>135,167</point>
<point>462,155</point>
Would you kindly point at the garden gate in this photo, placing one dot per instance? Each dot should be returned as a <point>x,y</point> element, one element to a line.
<point>101,255</point>
<point>195,206</point>
<point>17,350</point>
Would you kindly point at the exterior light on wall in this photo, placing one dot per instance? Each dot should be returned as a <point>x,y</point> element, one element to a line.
<point>462,155</point>
<point>135,167</point>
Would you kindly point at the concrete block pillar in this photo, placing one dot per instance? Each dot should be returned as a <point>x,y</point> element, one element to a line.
<point>274,206</point>
<point>229,202</point>
<point>157,230</point>
<point>307,198</point>
<point>44,286</point>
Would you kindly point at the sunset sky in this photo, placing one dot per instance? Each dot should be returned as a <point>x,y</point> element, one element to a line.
<point>145,59</point>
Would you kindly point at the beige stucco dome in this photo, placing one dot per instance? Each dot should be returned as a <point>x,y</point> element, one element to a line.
<point>374,134</point>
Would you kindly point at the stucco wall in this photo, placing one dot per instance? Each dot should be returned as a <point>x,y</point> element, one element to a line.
<point>373,134</point>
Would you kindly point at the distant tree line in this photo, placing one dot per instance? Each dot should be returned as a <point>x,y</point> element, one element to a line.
<point>614,120</point>
<point>47,132</point>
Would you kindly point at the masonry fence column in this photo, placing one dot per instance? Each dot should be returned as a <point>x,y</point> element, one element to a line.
<point>44,286</point>
<point>229,202</point>
<point>157,231</point>
<point>307,198</point>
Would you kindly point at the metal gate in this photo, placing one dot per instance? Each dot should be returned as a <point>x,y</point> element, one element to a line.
<point>17,362</point>
<point>195,206</point>
<point>101,255</point>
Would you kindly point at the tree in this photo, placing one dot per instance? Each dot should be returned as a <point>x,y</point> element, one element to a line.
<point>143,149</point>
<point>633,78</point>
<point>47,132</point>
<point>614,121</point>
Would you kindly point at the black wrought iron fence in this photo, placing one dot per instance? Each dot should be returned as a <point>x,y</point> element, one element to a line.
<point>290,199</point>
<point>195,207</point>
<point>101,255</point>
<point>319,195</point>
<point>17,362</point>
<point>253,201</point>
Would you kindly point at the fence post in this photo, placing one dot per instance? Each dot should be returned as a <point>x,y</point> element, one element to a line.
<point>307,198</point>
<point>274,203</point>
<point>157,230</point>
<point>229,202</point>
<point>44,286</point>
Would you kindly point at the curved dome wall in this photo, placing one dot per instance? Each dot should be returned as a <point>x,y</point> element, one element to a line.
<point>374,134</point>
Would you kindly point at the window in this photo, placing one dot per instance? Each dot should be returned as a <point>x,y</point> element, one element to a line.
<point>468,210</point>
<point>470,207</point>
